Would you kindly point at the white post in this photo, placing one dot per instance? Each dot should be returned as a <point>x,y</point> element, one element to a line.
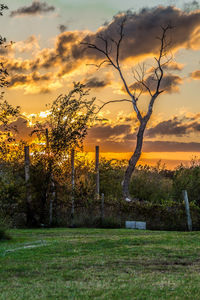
<point>187,209</point>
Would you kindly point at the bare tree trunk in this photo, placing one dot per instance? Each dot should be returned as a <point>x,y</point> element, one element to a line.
<point>133,161</point>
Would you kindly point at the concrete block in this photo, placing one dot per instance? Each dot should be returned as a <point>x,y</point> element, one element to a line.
<point>135,225</point>
<point>140,225</point>
<point>130,224</point>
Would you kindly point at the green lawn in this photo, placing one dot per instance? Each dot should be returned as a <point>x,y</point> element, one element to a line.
<point>100,264</point>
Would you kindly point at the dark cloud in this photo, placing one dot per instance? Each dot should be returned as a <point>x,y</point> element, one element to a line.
<point>107,131</point>
<point>33,78</point>
<point>62,28</point>
<point>95,82</point>
<point>170,83</point>
<point>175,126</point>
<point>167,146</point>
<point>141,32</point>
<point>149,146</point>
<point>20,129</point>
<point>169,127</point>
<point>35,8</point>
<point>195,74</point>
<point>191,6</point>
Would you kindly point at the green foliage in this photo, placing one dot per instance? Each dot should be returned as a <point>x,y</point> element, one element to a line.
<point>4,224</point>
<point>12,189</point>
<point>111,176</point>
<point>187,178</point>
<point>68,120</point>
<point>151,184</point>
<point>3,70</point>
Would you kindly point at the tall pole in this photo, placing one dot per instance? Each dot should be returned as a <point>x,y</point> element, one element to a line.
<point>187,210</point>
<point>73,186</point>
<point>97,170</point>
<point>27,181</point>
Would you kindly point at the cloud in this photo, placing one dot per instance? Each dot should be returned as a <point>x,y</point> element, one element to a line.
<point>35,8</point>
<point>29,44</point>
<point>95,82</point>
<point>35,83</point>
<point>141,32</point>
<point>167,146</point>
<point>149,146</point>
<point>177,127</point>
<point>20,129</point>
<point>173,66</point>
<point>170,83</point>
<point>106,132</point>
<point>68,54</point>
<point>21,79</point>
<point>195,75</point>
<point>191,6</point>
<point>62,28</point>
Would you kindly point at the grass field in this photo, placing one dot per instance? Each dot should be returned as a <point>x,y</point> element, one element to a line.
<point>100,264</point>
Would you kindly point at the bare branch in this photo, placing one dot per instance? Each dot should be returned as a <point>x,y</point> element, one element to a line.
<point>159,76</point>
<point>113,101</point>
<point>98,66</point>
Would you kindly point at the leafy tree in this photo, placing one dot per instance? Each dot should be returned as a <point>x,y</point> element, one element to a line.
<point>7,111</point>
<point>3,70</point>
<point>64,129</point>
<point>67,121</point>
<point>187,178</point>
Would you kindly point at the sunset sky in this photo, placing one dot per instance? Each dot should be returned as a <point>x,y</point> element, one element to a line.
<point>47,57</point>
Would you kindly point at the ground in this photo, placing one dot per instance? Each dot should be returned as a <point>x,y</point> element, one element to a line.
<point>100,264</point>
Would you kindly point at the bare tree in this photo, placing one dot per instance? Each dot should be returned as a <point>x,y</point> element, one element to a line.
<point>110,49</point>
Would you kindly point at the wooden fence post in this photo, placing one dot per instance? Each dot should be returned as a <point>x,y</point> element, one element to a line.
<point>102,208</point>
<point>97,170</point>
<point>187,209</point>
<point>73,186</point>
<point>52,184</point>
<point>27,181</point>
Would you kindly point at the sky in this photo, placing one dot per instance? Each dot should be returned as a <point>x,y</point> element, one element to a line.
<point>47,56</point>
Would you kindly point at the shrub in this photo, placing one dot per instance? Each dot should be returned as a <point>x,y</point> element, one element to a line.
<point>150,184</point>
<point>3,229</point>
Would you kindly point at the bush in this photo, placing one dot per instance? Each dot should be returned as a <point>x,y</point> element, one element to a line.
<point>3,229</point>
<point>187,178</point>
<point>150,184</point>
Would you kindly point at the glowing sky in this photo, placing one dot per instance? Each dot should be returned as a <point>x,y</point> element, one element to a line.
<point>47,57</point>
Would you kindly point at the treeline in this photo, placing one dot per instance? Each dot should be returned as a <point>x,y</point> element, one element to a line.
<point>156,193</point>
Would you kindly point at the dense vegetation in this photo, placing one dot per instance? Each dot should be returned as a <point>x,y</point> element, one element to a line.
<point>156,192</point>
